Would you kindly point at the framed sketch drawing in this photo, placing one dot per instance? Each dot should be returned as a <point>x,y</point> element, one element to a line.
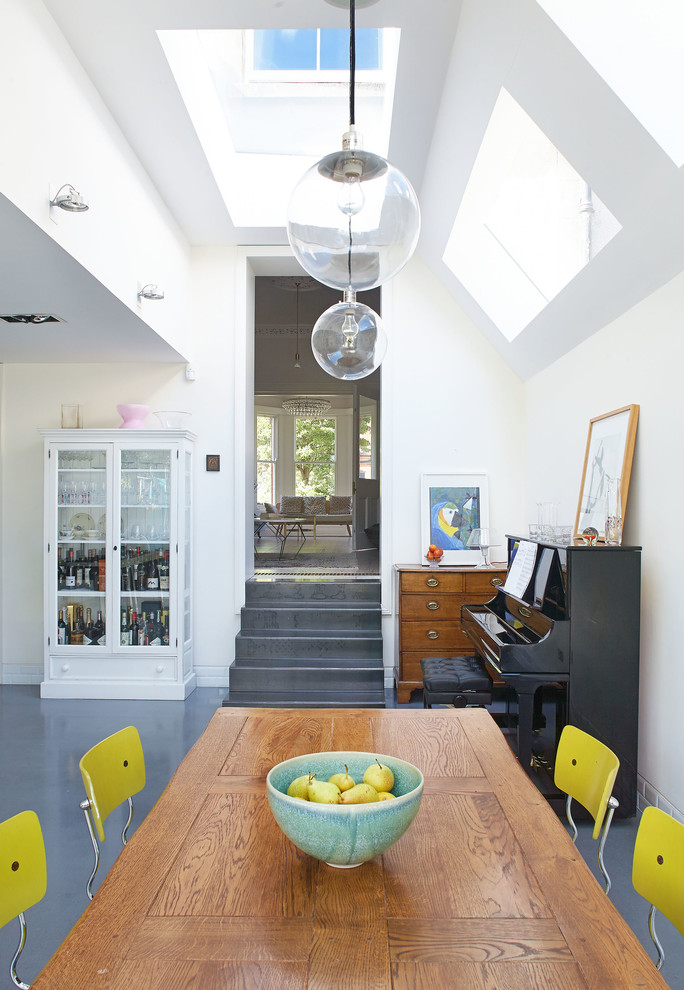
<point>452,506</point>
<point>609,454</point>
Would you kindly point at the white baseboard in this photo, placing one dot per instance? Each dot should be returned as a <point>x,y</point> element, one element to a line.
<point>21,673</point>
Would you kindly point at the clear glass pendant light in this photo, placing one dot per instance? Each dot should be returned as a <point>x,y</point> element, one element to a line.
<point>353,219</point>
<point>349,339</point>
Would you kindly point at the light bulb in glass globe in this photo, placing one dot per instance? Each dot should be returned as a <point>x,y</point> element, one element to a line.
<point>349,340</point>
<point>353,219</point>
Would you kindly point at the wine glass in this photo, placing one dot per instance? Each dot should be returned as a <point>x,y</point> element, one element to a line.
<point>482,539</point>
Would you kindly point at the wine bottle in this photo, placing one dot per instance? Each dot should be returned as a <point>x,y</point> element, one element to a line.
<point>70,578</point>
<point>142,630</point>
<point>78,629</point>
<point>88,631</point>
<point>164,572</point>
<point>61,568</point>
<point>79,572</point>
<point>153,630</point>
<point>62,628</point>
<point>98,630</point>
<point>134,629</point>
<point>152,575</point>
<point>125,629</point>
<point>165,629</point>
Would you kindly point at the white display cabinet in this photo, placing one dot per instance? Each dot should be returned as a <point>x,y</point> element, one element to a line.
<point>118,564</point>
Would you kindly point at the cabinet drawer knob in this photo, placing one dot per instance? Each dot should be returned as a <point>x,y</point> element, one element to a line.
<point>65,668</point>
<point>433,606</point>
<point>497,582</point>
<point>432,582</point>
<point>432,634</point>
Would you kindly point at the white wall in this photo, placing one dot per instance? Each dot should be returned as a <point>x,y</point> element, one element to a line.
<point>449,405</point>
<point>56,129</point>
<point>32,397</point>
<point>638,358</point>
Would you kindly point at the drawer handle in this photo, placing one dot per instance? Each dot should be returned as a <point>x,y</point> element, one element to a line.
<point>526,612</point>
<point>432,582</point>
<point>432,634</point>
<point>497,582</point>
<point>433,606</point>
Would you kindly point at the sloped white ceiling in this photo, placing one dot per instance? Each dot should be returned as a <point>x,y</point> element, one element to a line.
<point>454,58</point>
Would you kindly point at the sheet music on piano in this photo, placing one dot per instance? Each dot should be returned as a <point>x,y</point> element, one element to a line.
<point>521,570</point>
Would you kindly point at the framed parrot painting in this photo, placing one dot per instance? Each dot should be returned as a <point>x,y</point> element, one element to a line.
<point>452,506</point>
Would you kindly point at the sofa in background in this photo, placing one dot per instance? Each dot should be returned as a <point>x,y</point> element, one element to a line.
<point>314,509</point>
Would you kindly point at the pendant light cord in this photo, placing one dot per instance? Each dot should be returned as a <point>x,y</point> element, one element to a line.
<point>352,59</point>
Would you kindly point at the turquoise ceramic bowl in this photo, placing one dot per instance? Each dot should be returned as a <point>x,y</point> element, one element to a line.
<point>344,835</point>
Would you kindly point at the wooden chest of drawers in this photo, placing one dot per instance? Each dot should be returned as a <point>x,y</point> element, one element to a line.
<point>429,615</point>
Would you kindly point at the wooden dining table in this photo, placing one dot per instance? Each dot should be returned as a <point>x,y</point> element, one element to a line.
<point>485,891</point>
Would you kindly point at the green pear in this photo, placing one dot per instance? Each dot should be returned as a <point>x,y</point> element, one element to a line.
<point>379,776</point>
<point>298,787</point>
<point>343,780</point>
<point>385,796</point>
<point>323,792</point>
<point>359,794</point>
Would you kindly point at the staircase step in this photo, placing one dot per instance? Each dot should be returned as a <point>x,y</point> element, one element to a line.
<point>269,679</point>
<point>311,663</point>
<point>356,617</point>
<point>282,644</point>
<point>299,590</point>
<point>305,699</point>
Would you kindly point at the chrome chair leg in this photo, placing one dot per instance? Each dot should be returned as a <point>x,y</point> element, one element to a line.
<point>13,965</point>
<point>613,803</point>
<point>124,837</point>
<point>85,805</point>
<point>656,940</point>
<point>568,815</point>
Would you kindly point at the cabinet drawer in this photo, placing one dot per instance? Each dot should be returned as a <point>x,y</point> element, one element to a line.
<point>483,583</point>
<point>432,608</point>
<point>436,636</point>
<point>414,582</point>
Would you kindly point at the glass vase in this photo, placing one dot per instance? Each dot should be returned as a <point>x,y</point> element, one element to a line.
<point>613,512</point>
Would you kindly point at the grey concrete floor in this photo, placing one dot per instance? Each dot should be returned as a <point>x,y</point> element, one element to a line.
<point>41,743</point>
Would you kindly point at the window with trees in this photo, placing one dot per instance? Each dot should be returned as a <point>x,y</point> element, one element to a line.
<point>266,458</point>
<point>315,456</point>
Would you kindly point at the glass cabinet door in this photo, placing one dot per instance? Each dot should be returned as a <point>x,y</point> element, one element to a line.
<point>82,492</point>
<point>145,501</point>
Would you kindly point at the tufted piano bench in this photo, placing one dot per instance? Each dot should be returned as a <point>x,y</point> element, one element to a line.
<point>457,681</point>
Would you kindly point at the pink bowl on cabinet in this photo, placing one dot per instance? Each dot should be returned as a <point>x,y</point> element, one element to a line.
<point>133,416</point>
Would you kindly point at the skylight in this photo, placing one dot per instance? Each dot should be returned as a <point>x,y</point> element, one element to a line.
<point>527,224</point>
<point>266,105</point>
<point>638,49</point>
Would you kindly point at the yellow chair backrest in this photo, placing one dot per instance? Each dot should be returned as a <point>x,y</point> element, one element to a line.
<point>658,866</point>
<point>112,771</point>
<point>23,873</point>
<point>586,769</point>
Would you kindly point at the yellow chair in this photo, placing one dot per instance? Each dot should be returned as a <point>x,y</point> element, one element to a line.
<point>585,770</point>
<point>113,771</point>
<point>658,870</point>
<point>23,875</point>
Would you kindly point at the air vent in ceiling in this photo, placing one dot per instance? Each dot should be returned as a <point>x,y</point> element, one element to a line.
<point>31,318</point>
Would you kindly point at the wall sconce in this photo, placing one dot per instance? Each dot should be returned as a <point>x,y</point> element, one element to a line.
<point>151,291</point>
<point>69,200</point>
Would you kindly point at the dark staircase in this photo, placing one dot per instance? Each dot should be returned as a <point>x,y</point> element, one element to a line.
<point>309,644</point>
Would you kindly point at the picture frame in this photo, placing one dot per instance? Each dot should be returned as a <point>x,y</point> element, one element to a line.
<point>452,505</point>
<point>213,462</point>
<point>609,454</point>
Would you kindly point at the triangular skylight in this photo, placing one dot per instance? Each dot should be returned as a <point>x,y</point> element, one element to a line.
<point>267,105</point>
<point>638,49</point>
<point>527,223</point>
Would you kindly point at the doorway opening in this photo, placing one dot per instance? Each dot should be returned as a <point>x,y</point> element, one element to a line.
<point>317,474</point>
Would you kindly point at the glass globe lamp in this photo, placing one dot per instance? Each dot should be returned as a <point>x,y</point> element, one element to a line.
<point>349,340</point>
<point>353,219</point>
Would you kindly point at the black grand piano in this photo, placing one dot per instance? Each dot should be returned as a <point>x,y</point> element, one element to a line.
<point>568,616</point>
